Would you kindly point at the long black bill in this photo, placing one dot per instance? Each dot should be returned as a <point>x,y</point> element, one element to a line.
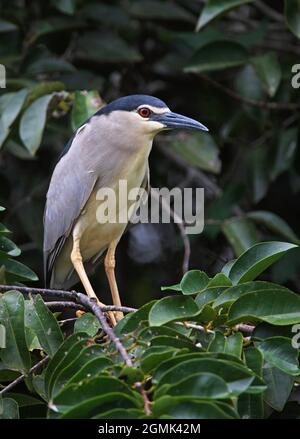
<point>173,120</point>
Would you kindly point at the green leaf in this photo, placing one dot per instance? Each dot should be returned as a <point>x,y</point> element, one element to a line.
<point>180,358</point>
<point>93,407</point>
<point>62,357</point>
<point>65,6</point>
<point>257,259</point>
<point>41,320</point>
<point>81,357</point>
<point>218,343</point>
<point>135,319</point>
<point>8,247</point>
<point>8,409</point>
<point>175,287</point>
<point>17,269</point>
<point>231,345</point>
<point>7,26</point>
<point>106,48</point>
<point>230,295</point>
<point>279,386</point>
<point>215,8</point>
<point>199,150</point>
<point>120,414</point>
<point>73,394</point>
<point>13,107</point>
<point>278,352</point>
<point>254,360</point>
<point>234,344</point>
<point>86,103</point>
<point>292,16</point>
<point>154,356</point>
<point>278,308</point>
<point>241,234</point>
<point>274,223</point>
<point>237,377</point>
<point>33,122</point>
<point>220,280</point>
<point>153,9</point>
<point>91,368</point>
<point>170,309</point>
<point>268,70</point>
<point>193,282</point>
<point>201,385</point>
<point>15,355</point>
<point>87,323</point>
<point>285,150</point>
<point>181,408</point>
<point>217,55</point>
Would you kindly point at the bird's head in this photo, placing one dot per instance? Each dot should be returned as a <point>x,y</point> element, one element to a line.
<point>148,115</point>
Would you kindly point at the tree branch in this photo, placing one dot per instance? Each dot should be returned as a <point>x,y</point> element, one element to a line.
<point>274,106</point>
<point>87,303</point>
<point>180,224</point>
<point>71,295</point>
<point>18,380</point>
<point>91,304</point>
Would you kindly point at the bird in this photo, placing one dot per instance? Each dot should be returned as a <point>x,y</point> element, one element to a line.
<point>112,145</point>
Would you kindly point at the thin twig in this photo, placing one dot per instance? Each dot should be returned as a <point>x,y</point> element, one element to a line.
<point>62,322</point>
<point>91,304</point>
<point>180,224</point>
<point>147,404</point>
<point>198,327</point>
<point>275,106</point>
<point>64,305</point>
<point>18,380</point>
<point>72,295</point>
<point>268,11</point>
<point>248,329</point>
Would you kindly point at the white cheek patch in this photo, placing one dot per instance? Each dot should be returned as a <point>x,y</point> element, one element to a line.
<point>155,110</point>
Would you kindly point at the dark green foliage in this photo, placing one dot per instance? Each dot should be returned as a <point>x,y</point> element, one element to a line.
<point>202,368</point>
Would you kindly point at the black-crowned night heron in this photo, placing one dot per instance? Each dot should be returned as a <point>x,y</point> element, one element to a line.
<point>112,145</point>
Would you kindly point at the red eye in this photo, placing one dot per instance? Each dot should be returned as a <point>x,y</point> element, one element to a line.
<point>144,112</point>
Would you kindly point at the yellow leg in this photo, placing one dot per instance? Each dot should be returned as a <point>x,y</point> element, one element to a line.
<point>110,264</point>
<point>76,259</point>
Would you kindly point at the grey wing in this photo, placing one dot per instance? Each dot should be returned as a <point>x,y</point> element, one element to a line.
<point>70,188</point>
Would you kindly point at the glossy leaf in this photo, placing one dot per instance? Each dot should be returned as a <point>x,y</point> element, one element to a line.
<point>241,234</point>
<point>13,107</point>
<point>8,408</point>
<point>215,56</point>
<point>41,320</point>
<point>153,9</point>
<point>17,269</point>
<point>292,16</point>
<point>199,150</point>
<point>170,309</point>
<point>275,307</point>
<point>274,223</point>
<point>278,352</point>
<point>87,323</point>
<point>230,295</point>
<point>15,355</point>
<point>32,123</point>
<point>86,103</point>
<point>257,259</point>
<point>215,8</point>
<point>193,282</point>
<point>268,70</point>
<point>201,385</point>
<point>279,386</point>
